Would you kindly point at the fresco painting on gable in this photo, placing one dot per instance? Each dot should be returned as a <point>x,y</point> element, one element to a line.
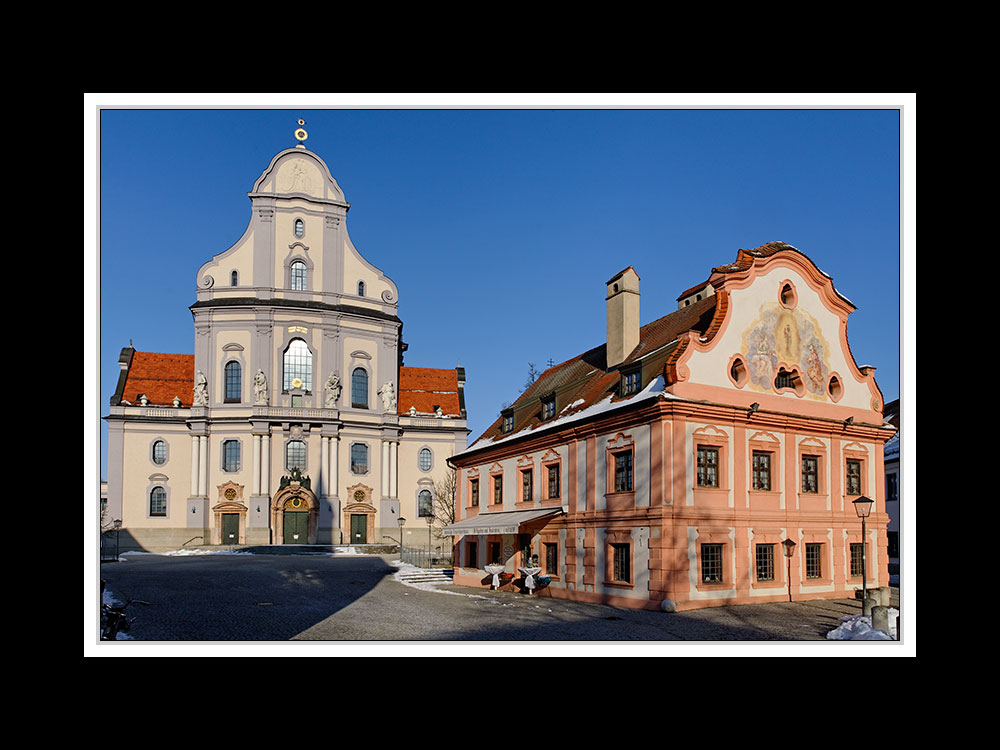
<point>790,339</point>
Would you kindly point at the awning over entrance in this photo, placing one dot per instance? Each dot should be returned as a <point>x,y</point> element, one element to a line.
<point>508,522</point>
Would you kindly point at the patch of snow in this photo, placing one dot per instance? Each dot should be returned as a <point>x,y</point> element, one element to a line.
<point>859,628</point>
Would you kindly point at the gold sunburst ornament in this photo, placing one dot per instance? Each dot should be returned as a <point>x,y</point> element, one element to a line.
<point>300,133</point>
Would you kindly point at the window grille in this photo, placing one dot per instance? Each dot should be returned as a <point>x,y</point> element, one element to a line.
<point>853,484</point>
<point>620,563</point>
<point>711,563</point>
<point>623,472</point>
<point>708,467</point>
<point>527,485</point>
<point>551,558</point>
<point>554,481</point>
<point>814,561</point>
<point>810,474</point>
<point>761,470</point>
<point>765,562</point>
<point>857,564</point>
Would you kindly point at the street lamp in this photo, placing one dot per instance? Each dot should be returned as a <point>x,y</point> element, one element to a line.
<point>401,521</point>
<point>789,546</point>
<point>863,507</point>
<point>430,524</point>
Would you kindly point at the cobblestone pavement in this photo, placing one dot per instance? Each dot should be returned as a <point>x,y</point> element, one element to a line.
<point>257,598</point>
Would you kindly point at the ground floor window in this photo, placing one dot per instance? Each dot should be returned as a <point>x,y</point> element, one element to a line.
<point>552,558</point>
<point>765,562</point>
<point>472,554</point>
<point>711,563</point>
<point>857,559</point>
<point>621,568</point>
<point>814,561</point>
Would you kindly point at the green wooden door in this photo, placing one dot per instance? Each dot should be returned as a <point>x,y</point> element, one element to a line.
<point>359,528</point>
<point>296,524</point>
<point>230,528</point>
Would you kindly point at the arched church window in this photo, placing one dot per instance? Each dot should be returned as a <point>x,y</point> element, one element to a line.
<point>300,228</point>
<point>359,388</point>
<point>424,459</point>
<point>234,382</point>
<point>361,289</point>
<point>234,279</point>
<point>425,505</point>
<point>158,502</point>
<point>297,366</point>
<point>298,270</point>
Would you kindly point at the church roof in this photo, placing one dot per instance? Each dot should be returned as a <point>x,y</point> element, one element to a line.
<point>160,377</point>
<point>425,389</point>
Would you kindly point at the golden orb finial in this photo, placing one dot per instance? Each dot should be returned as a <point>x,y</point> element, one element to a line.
<point>300,133</point>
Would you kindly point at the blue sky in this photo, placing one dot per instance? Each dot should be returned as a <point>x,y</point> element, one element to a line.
<point>499,226</point>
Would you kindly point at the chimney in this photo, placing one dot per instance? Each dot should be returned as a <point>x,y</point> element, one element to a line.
<point>623,316</point>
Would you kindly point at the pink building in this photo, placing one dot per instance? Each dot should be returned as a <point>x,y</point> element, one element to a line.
<point>667,467</point>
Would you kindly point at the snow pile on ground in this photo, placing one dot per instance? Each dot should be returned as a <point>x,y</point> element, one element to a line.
<point>859,628</point>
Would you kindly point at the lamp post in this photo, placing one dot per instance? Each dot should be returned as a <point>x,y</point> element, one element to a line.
<point>430,525</point>
<point>401,521</point>
<point>863,507</point>
<point>789,546</point>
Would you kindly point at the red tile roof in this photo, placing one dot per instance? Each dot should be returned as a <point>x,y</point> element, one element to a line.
<point>425,388</point>
<point>160,377</point>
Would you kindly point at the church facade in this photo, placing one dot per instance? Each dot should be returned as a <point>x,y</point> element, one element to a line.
<point>295,420</point>
<point>713,456</point>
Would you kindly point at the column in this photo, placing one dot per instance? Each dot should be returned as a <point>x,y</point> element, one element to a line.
<point>324,465</point>
<point>195,445</point>
<point>203,465</point>
<point>384,489</point>
<point>255,476</point>
<point>334,465</point>
<point>265,464</point>
<point>393,474</point>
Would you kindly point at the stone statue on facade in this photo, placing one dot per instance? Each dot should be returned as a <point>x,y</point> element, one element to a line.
<point>260,389</point>
<point>388,394</point>
<point>200,390</point>
<point>332,389</point>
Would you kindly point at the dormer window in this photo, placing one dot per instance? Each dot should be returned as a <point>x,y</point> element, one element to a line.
<point>631,382</point>
<point>299,228</point>
<point>548,407</point>
<point>507,420</point>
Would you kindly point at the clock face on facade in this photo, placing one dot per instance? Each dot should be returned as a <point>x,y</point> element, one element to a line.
<point>296,383</point>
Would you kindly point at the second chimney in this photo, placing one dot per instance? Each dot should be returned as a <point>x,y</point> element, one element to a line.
<point>623,315</point>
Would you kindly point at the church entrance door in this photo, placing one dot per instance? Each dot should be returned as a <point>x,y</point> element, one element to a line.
<point>296,525</point>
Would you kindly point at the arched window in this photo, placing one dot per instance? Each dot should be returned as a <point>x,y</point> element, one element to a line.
<point>159,453</point>
<point>298,270</point>
<point>295,455</point>
<point>234,382</point>
<point>359,388</point>
<point>158,502</point>
<point>425,505</point>
<point>234,279</point>
<point>361,289</point>
<point>300,228</point>
<point>424,459</point>
<point>297,366</point>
